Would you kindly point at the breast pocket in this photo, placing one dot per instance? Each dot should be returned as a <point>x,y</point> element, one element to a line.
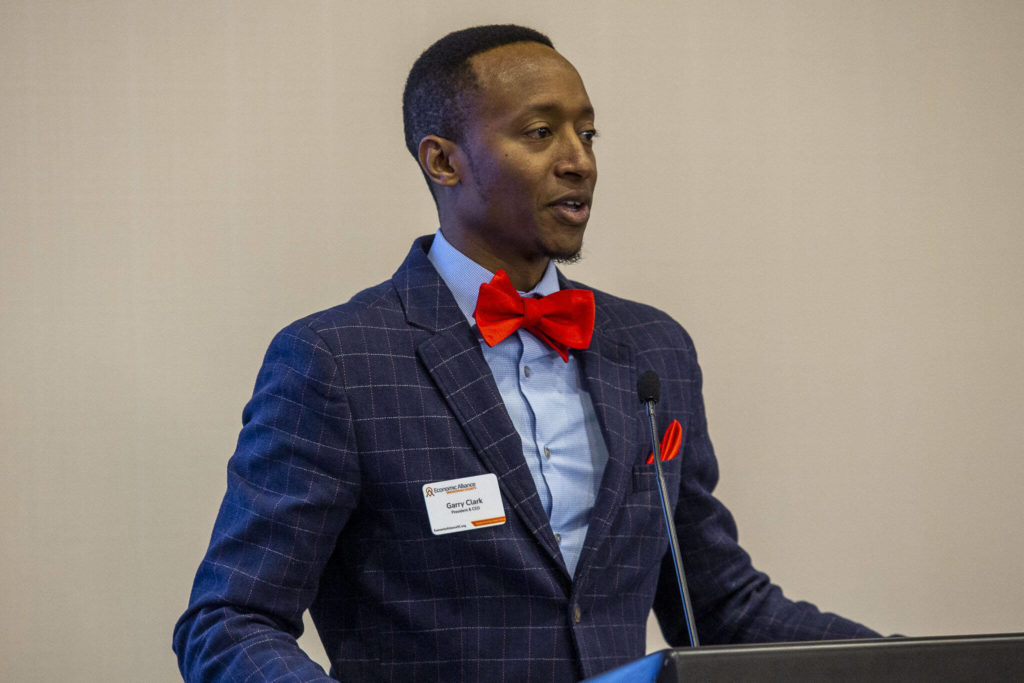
<point>645,479</point>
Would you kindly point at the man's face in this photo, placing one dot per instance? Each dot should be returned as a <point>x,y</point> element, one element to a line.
<point>526,161</point>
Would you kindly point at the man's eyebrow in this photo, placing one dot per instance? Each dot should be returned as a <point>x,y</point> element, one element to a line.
<point>556,108</point>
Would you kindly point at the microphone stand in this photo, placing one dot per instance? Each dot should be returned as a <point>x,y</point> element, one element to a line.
<point>649,394</point>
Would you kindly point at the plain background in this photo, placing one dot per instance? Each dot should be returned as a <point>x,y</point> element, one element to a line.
<point>828,195</point>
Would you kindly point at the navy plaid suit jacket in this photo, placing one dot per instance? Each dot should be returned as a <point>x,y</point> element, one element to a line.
<point>359,406</point>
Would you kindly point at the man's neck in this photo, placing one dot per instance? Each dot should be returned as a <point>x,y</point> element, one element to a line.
<point>524,273</point>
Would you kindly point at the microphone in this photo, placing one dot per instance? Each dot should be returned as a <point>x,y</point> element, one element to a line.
<point>648,387</point>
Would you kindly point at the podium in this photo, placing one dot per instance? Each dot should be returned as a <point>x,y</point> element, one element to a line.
<point>986,658</point>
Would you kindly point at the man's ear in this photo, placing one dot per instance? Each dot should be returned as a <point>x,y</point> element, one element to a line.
<point>435,155</point>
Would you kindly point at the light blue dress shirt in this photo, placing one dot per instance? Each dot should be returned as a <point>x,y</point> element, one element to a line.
<point>550,408</point>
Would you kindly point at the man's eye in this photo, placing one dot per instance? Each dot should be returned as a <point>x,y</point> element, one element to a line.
<point>538,133</point>
<point>588,135</point>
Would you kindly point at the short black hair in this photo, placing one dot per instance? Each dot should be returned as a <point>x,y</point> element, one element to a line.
<point>432,103</point>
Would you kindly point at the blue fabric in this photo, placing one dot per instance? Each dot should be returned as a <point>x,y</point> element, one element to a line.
<point>550,409</point>
<point>644,670</point>
<point>356,408</point>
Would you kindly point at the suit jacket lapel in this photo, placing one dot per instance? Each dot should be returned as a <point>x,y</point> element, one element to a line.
<point>454,360</point>
<point>610,377</point>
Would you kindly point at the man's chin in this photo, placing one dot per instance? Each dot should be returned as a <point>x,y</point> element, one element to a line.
<point>570,251</point>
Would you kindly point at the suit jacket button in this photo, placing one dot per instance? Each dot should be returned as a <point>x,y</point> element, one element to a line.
<point>576,614</point>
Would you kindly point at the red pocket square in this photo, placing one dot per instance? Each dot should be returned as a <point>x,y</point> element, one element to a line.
<point>670,443</point>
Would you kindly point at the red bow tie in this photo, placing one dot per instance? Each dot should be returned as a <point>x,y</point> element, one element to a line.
<point>565,319</point>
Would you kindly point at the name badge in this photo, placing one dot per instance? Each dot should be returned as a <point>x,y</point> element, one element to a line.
<point>464,504</point>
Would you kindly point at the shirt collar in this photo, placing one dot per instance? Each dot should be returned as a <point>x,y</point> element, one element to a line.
<point>464,276</point>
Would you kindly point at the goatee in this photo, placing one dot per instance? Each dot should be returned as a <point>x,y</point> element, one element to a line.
<point>568,260</point>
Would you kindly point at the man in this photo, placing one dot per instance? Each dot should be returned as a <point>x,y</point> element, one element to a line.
<point>367,417</point>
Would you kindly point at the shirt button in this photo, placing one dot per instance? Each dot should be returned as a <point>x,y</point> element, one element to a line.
<point>526,370</point>
<point>547,452</point>
<point>577,615</point>
<point>558,537</point>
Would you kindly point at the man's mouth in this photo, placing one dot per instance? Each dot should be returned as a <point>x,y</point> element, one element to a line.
<point>571,211</point>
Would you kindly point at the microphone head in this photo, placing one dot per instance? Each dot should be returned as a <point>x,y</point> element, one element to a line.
<point>649,387</point>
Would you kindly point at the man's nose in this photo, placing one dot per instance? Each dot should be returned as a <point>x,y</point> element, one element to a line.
<point>575,157</point>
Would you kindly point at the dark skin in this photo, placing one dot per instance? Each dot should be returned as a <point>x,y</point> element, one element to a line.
<point>516,190</point>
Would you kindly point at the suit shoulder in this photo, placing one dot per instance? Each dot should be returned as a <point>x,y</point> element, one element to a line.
<point>638,320</point>
<point>375,309</point>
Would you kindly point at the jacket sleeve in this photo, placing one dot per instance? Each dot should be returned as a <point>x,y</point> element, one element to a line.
<point>292,484</point>
<point>732,601</point>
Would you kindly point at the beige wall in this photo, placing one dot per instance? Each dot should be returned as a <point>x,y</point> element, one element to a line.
<point>827,194</point>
